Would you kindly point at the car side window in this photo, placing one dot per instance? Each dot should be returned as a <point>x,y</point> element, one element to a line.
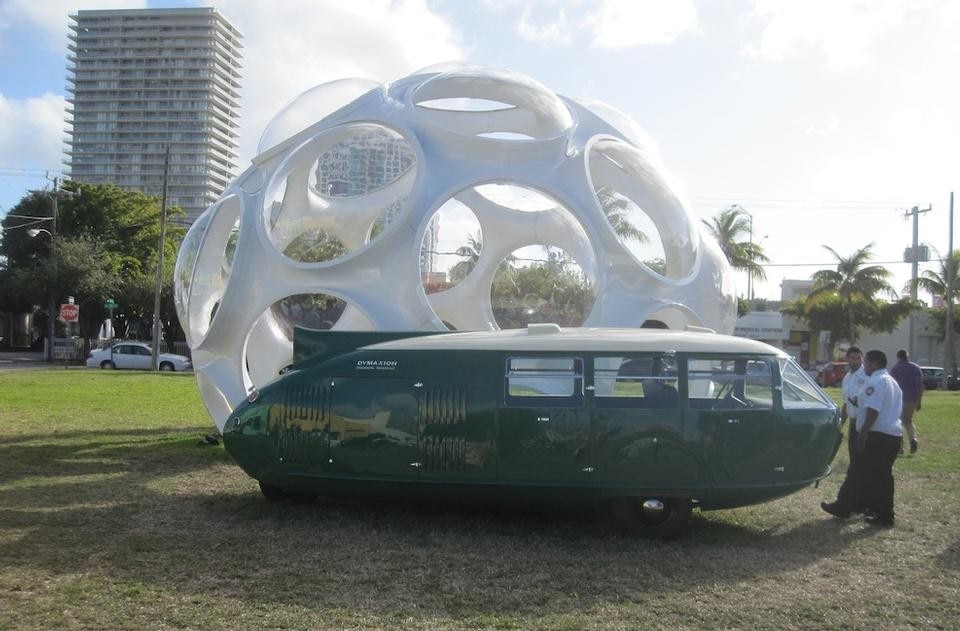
<point>544,380</point>
<point>636,381</point>
<point>730,384</point>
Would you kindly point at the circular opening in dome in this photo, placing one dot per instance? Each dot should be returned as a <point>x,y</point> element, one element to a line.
<point>541,284</point>
<point>478,101</point>
<point>338,192</point>
<point>203,266</point>
<point>634,228</point>
<point>465,105</point>
<point>183,271</point>
<point>641,208</point>
<point>370,158</point>
<point>450,247</point>
<point>269,343</point>
<point>311,311</point>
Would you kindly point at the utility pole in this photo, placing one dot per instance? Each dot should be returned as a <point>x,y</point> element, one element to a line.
<point>55,276</point>
<point>915,255</point>
<point>52,305</point>
<point>155,358</point>
<point>949,360</point>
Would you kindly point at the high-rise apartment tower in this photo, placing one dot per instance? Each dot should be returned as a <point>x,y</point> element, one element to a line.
<point>142,79</point>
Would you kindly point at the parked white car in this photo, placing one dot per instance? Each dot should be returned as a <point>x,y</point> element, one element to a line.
<point>136,356</point>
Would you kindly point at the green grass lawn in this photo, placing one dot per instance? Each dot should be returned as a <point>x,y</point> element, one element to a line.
<point>112,515</point>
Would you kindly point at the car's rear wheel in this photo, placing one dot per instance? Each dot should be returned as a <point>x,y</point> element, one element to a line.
<point>650,517</point>
<point>107,365</point>
<point>167,366</point>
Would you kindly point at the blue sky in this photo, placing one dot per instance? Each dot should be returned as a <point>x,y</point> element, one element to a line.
<point>824,119</point>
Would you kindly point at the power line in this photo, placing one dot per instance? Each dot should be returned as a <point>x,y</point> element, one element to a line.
<point>811,202</point>
<point>19,172</point>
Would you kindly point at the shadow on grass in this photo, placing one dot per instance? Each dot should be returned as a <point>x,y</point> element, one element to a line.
<point>949,559</point>
<point>157,509</point>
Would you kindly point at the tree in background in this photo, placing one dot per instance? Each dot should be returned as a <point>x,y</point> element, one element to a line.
<point>855,282</point>
<point>845,300</point>
<point>550,290</point>
<point>935,283</point>
<point>470,254</point>
<point>106,248</point>
<point>617,209</point>
<point>729,227</point>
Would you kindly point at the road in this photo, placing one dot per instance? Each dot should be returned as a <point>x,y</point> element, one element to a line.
<point>23,360</point>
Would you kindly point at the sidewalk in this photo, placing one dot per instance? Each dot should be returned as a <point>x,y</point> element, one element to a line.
<point>24,360</point>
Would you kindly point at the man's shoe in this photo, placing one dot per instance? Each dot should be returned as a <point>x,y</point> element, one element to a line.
<point>833,509</point>
<point>914,445</point>
<point>879,520</point>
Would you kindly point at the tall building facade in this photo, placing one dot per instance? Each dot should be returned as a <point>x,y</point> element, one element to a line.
<point>142,79</point>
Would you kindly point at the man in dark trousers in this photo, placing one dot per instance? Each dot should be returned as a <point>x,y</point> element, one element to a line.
<point>869,482</point>
<point>909,377</point>
<point>852,387</point>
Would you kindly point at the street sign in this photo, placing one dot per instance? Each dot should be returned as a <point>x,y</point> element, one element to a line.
<point>69,313</point>
<point>110,304</point>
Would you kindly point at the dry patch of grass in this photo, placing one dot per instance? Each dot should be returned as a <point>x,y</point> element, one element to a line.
<point>120,519</point>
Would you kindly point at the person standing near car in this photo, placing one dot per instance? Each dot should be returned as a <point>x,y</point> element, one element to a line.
<point>879,438</point>
<point>852,387</point>
<point>849,497</point>
<point>909,377</point>
<point>869,482</point>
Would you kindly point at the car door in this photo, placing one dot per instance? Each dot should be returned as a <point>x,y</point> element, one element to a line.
<point>122,356</point>
<point>730,406</point>
<point>543,429</point>
<point>637,424</point>
<point>141,357</point>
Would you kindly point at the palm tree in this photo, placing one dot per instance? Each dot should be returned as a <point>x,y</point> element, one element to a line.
<point>729,227</point>
<point>853,280</point>
<point>470,254</point>
<point>616,207</point>
<point>936,282</point>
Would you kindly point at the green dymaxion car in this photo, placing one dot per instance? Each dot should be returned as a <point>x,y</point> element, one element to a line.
<point>651,422</point>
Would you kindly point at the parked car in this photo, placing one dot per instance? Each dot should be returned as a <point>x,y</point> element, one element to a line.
<point>932,377</point>
<point>136,355</point>
<point>831,374</point>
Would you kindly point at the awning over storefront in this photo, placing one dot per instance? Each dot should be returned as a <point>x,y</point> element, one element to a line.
<point>761,325</point>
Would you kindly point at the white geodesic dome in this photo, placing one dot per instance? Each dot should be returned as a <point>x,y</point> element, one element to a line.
<point>343,214</point>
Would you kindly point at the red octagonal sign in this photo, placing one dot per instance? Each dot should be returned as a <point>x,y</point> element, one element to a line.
<point>69,313</point>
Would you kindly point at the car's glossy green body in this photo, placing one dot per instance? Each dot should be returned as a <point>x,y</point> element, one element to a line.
<point>416,417</point>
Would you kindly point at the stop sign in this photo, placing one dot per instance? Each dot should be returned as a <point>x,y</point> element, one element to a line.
<point>69,313</point>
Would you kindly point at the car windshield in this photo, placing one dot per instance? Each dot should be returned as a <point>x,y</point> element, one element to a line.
<point>799,390</point>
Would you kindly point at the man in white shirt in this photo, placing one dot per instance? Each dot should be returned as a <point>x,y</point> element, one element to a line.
<point>879,437</point>
<point>869,482</point>
<point>852,387</point>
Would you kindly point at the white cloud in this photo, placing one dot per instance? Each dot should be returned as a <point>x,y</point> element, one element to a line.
<point>828,128</point>
<point>628,23</point>
<point>31,131</point>
<point>555,32</point>
<point>293,45</point>
<point>847,31</point>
